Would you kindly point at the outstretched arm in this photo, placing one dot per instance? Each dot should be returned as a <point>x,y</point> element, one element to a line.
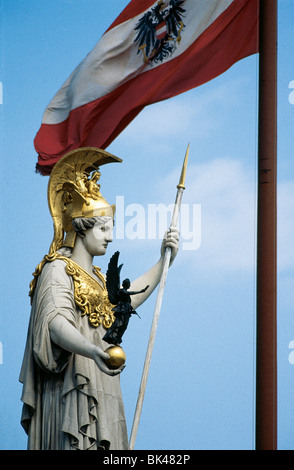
<point>152,276</point>
<point>65,335</point>
<point>137,292</point>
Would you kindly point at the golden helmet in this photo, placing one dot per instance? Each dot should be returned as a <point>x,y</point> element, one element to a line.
<point>74,191</point>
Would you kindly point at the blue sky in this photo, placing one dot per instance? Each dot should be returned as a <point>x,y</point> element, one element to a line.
<point>201,387</point>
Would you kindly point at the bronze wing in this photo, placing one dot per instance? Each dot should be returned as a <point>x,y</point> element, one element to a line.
<point>113,279</point>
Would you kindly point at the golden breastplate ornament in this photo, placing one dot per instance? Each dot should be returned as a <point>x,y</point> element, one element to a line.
<point>90,294</point>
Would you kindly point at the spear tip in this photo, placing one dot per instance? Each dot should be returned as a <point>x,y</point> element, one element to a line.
<point>181,184</point>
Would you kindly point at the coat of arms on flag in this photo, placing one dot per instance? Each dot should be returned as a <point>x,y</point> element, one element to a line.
<point>159,30</point>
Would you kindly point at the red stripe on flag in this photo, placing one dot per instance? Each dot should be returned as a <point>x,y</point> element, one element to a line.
<point>229,39</point>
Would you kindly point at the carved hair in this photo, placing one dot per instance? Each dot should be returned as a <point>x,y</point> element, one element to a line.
<point>81,224</point>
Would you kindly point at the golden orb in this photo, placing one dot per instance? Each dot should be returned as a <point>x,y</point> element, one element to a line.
<point>117,357</point>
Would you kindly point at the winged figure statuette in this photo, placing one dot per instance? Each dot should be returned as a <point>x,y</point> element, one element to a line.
<point>120,296</point>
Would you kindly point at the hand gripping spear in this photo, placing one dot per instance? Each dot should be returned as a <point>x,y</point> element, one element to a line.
<point>166,262</point>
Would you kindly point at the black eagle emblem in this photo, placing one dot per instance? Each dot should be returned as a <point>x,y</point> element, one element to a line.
<point>159,30</point>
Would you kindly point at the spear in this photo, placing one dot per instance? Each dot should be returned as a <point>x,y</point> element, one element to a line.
<point>166,262</point>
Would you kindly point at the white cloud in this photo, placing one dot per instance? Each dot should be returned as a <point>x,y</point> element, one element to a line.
<point>226,191</point>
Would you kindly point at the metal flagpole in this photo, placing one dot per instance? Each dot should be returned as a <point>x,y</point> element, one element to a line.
<point>266,348</point>
<point>166,261</point>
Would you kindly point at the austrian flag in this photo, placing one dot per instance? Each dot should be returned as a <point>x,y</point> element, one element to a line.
<point>153,51</point>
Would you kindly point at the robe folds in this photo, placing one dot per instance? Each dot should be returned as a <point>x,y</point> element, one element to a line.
<point>68,403</point>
